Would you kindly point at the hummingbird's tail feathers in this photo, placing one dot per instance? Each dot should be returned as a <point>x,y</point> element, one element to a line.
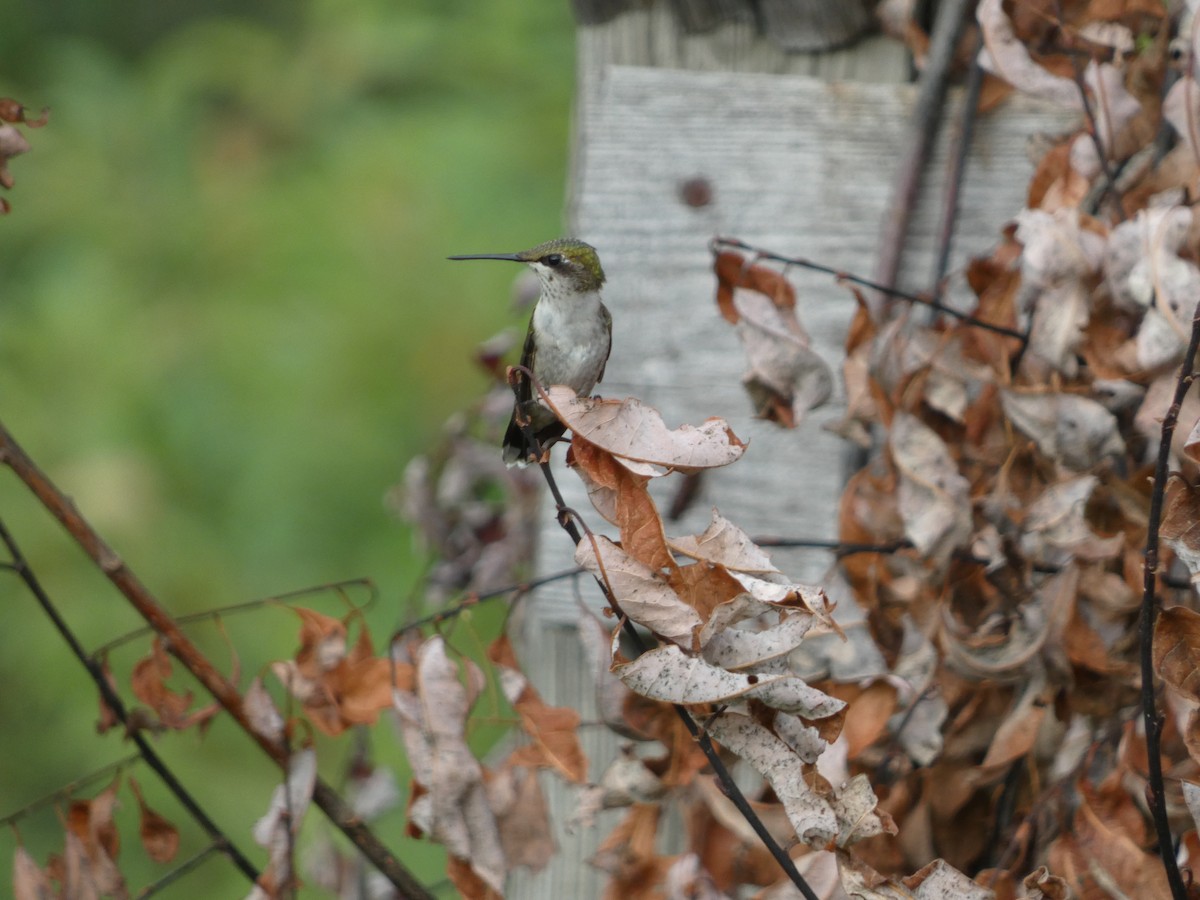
<point>518,451</point>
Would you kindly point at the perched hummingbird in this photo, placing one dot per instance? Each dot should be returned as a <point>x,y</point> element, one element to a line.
<point>570,335</point>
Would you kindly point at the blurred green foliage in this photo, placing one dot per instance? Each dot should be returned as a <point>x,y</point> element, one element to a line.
<point>226,324</point>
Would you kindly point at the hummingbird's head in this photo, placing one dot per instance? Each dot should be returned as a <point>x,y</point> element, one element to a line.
<point>564,265</point>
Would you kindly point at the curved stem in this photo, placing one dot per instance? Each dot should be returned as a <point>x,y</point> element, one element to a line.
<point>1153,723</point>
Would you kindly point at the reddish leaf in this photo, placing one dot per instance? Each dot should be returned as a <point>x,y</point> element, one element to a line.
<point>159,837</point>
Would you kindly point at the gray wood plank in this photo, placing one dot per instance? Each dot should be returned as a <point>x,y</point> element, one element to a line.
<point>798,166</point>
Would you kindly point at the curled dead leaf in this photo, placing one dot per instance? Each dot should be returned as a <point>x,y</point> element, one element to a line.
<point>724,544</point>
<point>629,429</point>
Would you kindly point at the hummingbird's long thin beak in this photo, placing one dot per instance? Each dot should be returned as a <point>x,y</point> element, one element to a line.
<point>511,257</point>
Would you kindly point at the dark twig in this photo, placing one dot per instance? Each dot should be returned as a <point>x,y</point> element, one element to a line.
<point>566,518</point>
<point>113,700</point>
<point>68,790</point>
<point>1106,168</point>
<point>246,606</point>
<point>922,299</point>
<point>958,170</point>
<point>926,116</point>
<point>475,598</point>
<point>183,649</point>
<point>1155,788</point>
<point>177,872</point>
<point>838,548</point>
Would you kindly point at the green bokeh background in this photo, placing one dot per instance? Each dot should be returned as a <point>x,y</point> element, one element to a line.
<point>226,324</point>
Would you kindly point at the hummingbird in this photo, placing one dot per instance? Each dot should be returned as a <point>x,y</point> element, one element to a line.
<point>569,337</point>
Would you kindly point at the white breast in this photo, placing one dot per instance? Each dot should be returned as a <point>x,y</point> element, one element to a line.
<point>573,340</point>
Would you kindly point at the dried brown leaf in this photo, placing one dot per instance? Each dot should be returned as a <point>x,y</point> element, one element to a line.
<point>666,673</point>
<point>451,806</point>
<point>934,498</point>
<point>811,815</point>
<point>636,432</point>
<point>554,730</point>
<point>519,805</point>
<point>724,544</point>
<point>1177,649</point>
<point>1180,528</point>
<point>159,837</point>
<point>621,496</point>
<point>640,592</point>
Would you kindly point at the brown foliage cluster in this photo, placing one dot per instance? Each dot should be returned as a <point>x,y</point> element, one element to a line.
<point>87,866</point>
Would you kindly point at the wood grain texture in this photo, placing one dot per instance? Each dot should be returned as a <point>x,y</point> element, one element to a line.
<point>797,166</point>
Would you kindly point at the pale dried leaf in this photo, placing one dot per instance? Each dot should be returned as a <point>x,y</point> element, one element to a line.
<point>1005,55</point>
<point>626,781</point>
<point>941,881</point>
<point>665,673</point>
<point>1114,107</point>
<point>1059,319</point>
<point>517,801</point>
<point>374,794</point>
<point>1072,430</point>
<point>784,369</point>
<point>724,544</point>
<point>1056,249</point>
<point>277,829</point>
<point>260,709</point>
<point>29,881</point>
<point>858,813</point>
<point>611,694</point>
<point>454,810</point>
<point>1181,108</point>
<point>632,430</point>
<point>1056,529</point>
<point>737,648</point>
<point>934,499</point>
<point>642,595</point>
<point>781,592</point>
<point>1191,796</point>
<point>1107,34</point>
<point>811,815</point>
<point>804,739</point>
<point>686,879</point>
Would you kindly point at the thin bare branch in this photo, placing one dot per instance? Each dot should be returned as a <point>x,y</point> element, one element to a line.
<point>113,700</point>
<point>1155,788</point>
<point>927,114</point>
<point>248,606</point>
<point>958,170</point>
<point>190,656</point>
<point>104,773</point>
<point>474,598</point>
<point>921,299</point>
<point>177,872</point>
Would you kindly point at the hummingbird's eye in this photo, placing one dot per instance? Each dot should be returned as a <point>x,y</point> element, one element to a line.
<point>553,259</point>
